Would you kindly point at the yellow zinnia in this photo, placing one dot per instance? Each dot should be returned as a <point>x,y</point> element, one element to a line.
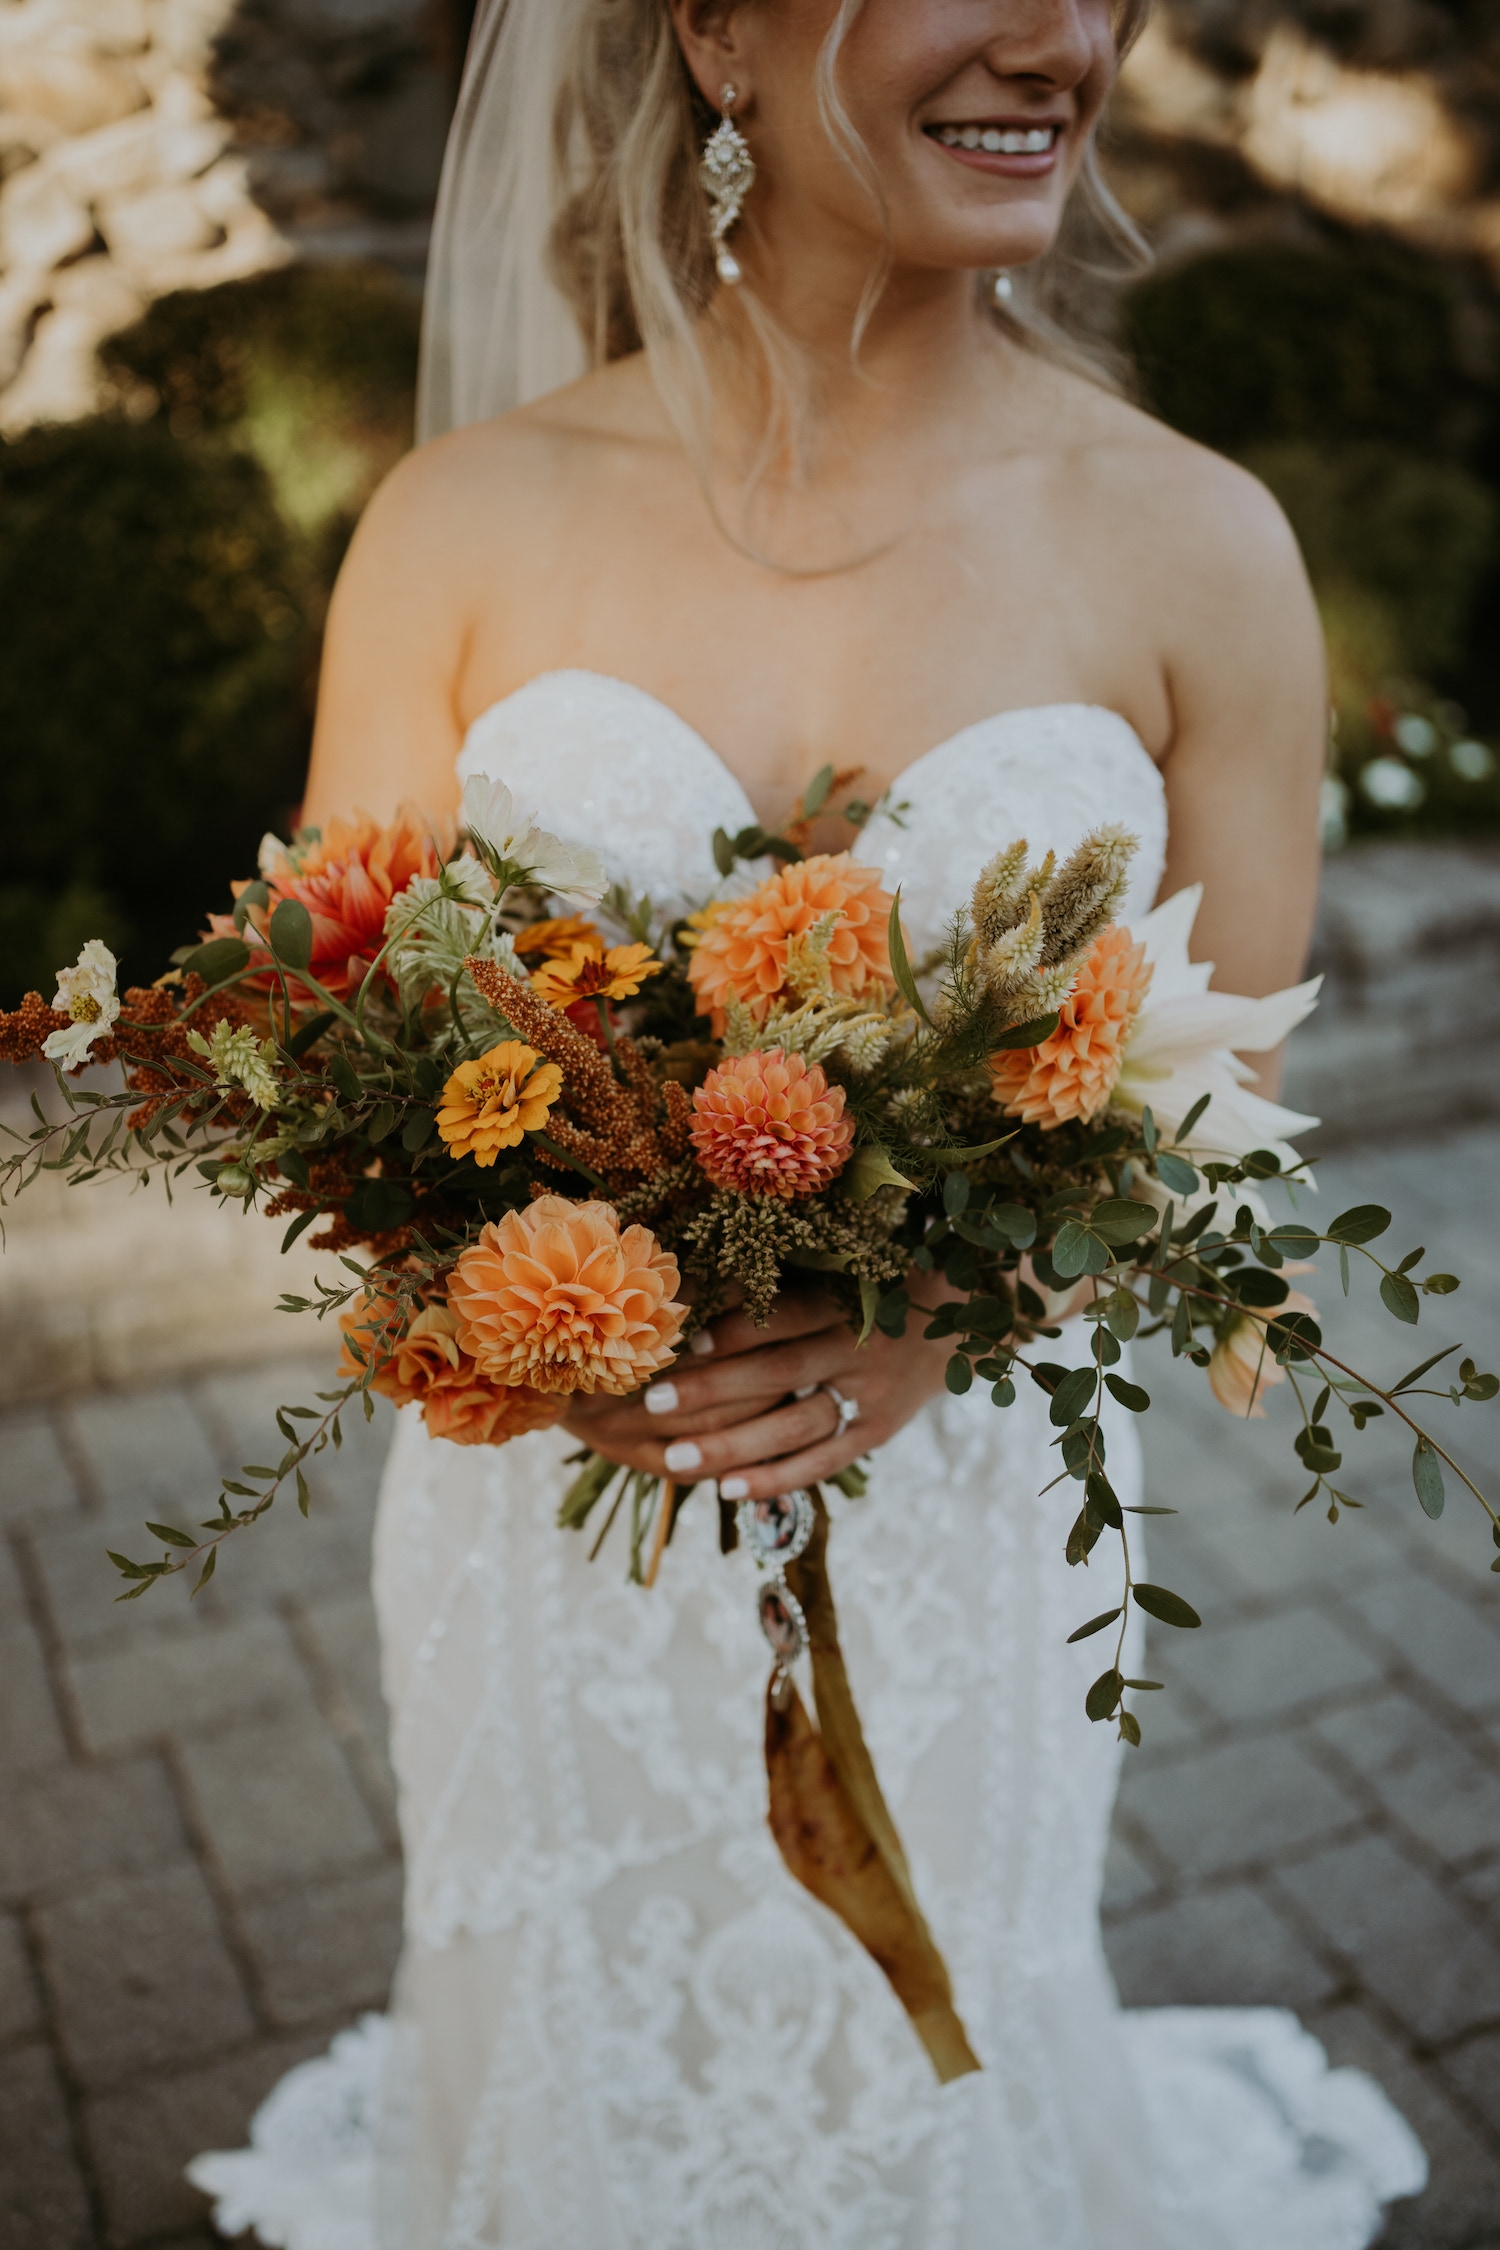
<point>491,1104</point>
<point>587,972</point>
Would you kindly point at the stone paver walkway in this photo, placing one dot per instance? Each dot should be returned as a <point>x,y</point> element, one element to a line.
<point>198,1865</point>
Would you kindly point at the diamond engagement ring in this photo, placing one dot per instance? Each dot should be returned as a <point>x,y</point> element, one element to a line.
<point>848,1407</point>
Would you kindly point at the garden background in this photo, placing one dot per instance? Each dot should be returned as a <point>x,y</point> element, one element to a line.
<point>212,223</point>
<point>213,220</point>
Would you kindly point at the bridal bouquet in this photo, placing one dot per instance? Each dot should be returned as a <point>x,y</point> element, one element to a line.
<point>563,1142</point>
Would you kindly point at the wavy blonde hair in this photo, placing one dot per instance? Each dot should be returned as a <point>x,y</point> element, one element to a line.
<point>630,245</point>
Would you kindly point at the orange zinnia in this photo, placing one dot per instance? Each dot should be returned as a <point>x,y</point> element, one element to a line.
<point>555,936</point>
<point>427,1367</point>
<point>742,954</point>
<point>1072,1074</point>
<point>493,1103</point>
<point>586,972</point>
<point>560,1296</point>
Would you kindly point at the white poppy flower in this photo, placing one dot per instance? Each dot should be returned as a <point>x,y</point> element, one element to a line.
<point>526,853</point>
<point>1186,1042</point>
<point>86,992</point>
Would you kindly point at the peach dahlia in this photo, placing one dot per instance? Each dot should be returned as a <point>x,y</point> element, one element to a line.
<point>563,1298</point>
<point>1072,1074</point>
<point>770,1124</point>
<point>742,954</point>
<point>428,1367</point>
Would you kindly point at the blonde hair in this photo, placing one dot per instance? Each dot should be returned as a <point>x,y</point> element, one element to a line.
<point>630,246</point>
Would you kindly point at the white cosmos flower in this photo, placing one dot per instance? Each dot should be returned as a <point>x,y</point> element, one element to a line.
<point>528,853</point>
<point>1186,1042</point>
<point>86,992</point>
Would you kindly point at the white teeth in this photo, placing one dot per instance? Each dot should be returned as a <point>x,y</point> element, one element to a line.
<point>999,141</point>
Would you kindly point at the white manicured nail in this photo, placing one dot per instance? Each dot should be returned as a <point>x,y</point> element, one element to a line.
<point>701,1341</point>
<point>733,1488</point>
<point>662,1398</point>
<point>682,1456</point>
<point>807,1390</point>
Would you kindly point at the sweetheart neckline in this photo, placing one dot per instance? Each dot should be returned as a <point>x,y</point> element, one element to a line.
<point>939,749</point>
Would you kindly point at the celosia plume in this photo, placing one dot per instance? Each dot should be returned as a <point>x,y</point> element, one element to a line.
<point>770,1124</point>
<point>560,1296</point>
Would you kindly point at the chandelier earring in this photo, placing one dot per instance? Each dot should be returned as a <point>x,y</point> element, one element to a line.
<point>727,171</point>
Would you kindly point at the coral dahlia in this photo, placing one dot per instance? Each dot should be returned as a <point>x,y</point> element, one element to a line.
<point>742,955</point>
<point>346,880</point>
<point>494,1102</point>
<point>1072,1074</point>
<point>427,1367</point>
<point>770,1124</point>
<point>560,1296</point>
<point>1242,1368</point>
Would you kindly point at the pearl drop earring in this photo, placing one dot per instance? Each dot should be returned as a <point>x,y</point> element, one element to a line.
<point>727,172</point>
<point>1000,289</point>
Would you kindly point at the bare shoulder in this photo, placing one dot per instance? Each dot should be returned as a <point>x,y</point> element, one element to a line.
<point>472,482</point>
<point>1194,519</point>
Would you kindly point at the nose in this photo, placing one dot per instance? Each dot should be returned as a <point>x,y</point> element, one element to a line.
<point>1052,45</point>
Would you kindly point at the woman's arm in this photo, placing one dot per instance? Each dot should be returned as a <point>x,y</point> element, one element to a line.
<point>388,727</point>
<point>1244,664</point>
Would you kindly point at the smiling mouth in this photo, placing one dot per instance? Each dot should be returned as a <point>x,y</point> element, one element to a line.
<point>999,140</point>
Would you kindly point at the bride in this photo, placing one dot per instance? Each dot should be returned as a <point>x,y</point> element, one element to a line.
<point>724,494</point>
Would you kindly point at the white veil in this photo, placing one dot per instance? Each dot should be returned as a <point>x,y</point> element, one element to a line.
<point>496,329</point>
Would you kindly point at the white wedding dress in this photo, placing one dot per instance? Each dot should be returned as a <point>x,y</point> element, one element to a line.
<point>618,2023</point>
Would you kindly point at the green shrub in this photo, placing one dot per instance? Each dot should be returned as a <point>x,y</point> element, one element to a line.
<point>1272,341</point>
<point>311,368</point>
<point>160,633</point>
<point>1387,534</point>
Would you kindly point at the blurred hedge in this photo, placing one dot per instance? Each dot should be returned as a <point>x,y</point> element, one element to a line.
<point>1346,377</point>
<point>164,571</point>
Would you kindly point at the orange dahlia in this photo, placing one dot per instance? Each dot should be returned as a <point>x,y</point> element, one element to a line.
<point>584,971</point>
<point>770,1124</point>
<point>742,954</point>
<point>560,1296</point>
<point>493,1103</point>
<point>427,1366</point>
<point>1073,1074</point>
<point>347,880</point>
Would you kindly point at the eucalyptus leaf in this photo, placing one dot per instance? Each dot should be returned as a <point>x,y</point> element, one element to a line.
<point>1157,1601</point>
<point>1072,1396</point>
<point>1175,1173</point>
<point>291,934</point>
<point>1120,1221</point>
<point>1129,1394</point>
<point>1104,1695</point>
<point>1427,1476</point>
<point>1362,1222</point>
<point>1399,1296</point>
<point>1094,1625</point>
<point>220,958</point>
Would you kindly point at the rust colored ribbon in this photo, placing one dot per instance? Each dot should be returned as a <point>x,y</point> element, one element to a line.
<point>834,1830</point>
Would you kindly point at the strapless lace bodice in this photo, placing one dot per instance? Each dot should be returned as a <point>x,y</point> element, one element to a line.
<point>619,2024</point>
<point>606,764</point>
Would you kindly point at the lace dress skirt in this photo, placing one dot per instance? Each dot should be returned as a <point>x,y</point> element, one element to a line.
<point>619,2022</point>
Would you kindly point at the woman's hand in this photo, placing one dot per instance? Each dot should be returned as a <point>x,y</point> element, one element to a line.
<point>731,1411</point>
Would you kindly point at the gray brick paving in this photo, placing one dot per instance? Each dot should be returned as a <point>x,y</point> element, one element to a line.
<point>199,1881</point>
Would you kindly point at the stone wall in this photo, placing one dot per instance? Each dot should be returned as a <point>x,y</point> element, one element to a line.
<point>151,145</point>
